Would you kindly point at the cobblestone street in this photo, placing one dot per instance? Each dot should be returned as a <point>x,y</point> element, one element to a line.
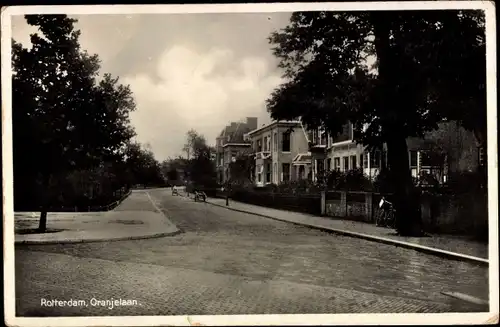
<point>226,262</point>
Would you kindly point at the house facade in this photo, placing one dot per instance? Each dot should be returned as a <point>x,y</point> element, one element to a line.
<point>341,153</point>
<point>281,152</point>
<point>449,148</point>
<point>229,144</point>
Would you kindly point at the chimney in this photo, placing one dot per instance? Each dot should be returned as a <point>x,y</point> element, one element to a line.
<point>252,123</point>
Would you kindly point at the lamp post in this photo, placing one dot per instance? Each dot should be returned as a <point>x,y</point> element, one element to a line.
<point>228,184</point>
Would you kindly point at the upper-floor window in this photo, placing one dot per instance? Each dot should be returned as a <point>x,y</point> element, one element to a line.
<point>275,141</point>
<point>268,143</point>
<point>285,142</point>
<point>323,137</point>
<point>375,159</point>
<point>413,158</point>
<point>259,145</point>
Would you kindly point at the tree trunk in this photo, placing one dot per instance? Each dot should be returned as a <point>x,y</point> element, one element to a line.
<point>42,226</point>
<point>405,197</point>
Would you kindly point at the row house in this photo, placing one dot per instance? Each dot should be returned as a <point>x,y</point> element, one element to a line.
<point>457,149</point>
<point>341,153</point>
<point>281,152</point>
<point>230,144</point>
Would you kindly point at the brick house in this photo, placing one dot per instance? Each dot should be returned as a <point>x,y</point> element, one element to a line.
<point>229,144</point>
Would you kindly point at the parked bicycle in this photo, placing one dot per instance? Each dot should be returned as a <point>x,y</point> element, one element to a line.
<point>386,216</point>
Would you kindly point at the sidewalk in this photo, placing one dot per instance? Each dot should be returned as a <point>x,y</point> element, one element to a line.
<point>137,217</point>
<point>458,248</point>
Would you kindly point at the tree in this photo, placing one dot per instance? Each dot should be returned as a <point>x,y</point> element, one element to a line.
<point>175,169</point>
<point>241,170</point>
<point>142,166</point>
<point>192,139</point>
<point>63,120</point>
<point>421,56</point>
<point>201,169</point>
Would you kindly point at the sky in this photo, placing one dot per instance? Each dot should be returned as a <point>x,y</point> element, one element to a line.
<point>187,71</point>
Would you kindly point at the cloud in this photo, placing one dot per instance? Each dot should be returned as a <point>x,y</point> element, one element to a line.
<point>194,91</point>
<point>198,71</point>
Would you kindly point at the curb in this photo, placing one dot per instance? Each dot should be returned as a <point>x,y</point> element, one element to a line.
<point>77,241</point>
<point>420,248</point>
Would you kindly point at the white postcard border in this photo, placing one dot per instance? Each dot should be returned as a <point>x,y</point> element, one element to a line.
<point>296,319</point>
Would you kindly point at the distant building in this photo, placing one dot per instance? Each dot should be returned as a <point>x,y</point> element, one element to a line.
<point>281,152</point>
<point>230,143</point>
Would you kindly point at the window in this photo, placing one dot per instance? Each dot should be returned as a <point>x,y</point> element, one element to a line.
<point>354,164</point>
<point>286,172</point>
<point>346,163</point>
<point>275,141</point>
<point>323,138</point>
<point>336,163</point>
<point>375,159</point>
<point>285,145</point>
<point>329,141</point>
<point>259,173</point>
<point>482,156</point>
<point>361,162</point>
<point>259,145</point>
<point>413,158</point>
<point>328,164</point>
<point>268,173</point>
<point>275,173</point>
<point>314,136</point>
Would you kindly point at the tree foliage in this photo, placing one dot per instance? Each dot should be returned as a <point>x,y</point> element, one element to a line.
<point>200,168</point>
<point>141,166</point>
<point>429,68</point>
<point>64,119</point>
<point>241,170</point>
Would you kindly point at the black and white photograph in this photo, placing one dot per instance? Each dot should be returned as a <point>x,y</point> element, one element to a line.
<point>250,164</point>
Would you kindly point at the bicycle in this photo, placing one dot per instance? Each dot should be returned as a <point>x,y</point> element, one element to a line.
<point>386,216</point>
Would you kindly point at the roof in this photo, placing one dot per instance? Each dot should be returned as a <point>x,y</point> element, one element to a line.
<point>275,123</point>
<point>235,132</point>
